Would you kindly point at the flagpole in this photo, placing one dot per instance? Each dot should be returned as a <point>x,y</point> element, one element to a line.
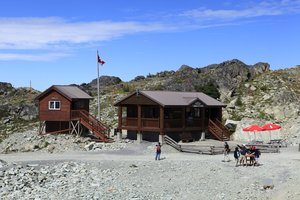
<point>98,87</point>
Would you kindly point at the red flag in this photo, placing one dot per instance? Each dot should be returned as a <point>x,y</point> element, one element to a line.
<point>101,62</point>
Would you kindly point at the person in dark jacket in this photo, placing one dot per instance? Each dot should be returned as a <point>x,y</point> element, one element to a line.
<point>243,151</point>
<point>226,152</point>
<point>256,155</point>
<point>236,155</point>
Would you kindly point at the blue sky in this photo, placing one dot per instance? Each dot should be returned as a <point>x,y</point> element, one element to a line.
<point>55,42</point>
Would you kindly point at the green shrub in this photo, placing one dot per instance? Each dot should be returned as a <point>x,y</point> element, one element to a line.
<point>210,89</point>
<point>262,115</point>
<point>236,117</point>
<point>264,88</point>
<point>126,88</point>
<point>239,101</point>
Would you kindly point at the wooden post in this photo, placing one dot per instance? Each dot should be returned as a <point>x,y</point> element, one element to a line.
<point>120,118</point>
<point>161,125</point>
<point>183,117</point>
<point>161,120</point>
<point>139,118</point>
<point>202,118</point>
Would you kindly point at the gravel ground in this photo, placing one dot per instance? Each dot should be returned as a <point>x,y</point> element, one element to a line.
<point>132,173</point>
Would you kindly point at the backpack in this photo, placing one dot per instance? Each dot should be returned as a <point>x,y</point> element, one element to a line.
<point>158,150</point>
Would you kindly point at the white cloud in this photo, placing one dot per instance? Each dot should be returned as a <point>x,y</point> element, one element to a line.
<point>32,57</point>
<point>38,33</point>
<point>264,8</point>
<point>55,33</point>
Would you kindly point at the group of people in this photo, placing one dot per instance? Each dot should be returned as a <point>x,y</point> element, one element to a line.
<point>242,153</point>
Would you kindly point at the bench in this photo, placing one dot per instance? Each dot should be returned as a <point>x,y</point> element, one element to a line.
<point>279,142</point>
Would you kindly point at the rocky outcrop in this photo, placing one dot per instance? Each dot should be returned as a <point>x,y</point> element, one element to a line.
<point>105,81</point>
<point>260,68</point>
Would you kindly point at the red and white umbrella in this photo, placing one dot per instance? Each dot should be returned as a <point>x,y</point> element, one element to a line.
<point>253,128</point>
<point>270,127</point>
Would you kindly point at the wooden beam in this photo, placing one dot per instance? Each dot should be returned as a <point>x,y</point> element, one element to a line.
<point>161,120</point>
<point>139,118</point>
<point>202,118</point>
<point>183,116</point>
<point>55,132</point>
<point>120,109</point>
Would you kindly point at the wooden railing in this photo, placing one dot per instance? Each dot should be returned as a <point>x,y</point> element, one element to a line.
<point>193,122</point>
<point>173,123</point>
<point>217,131</point>
<point>200,149</point>
<point>172,143</point>
<point>99,129</point>
<point>226,132</point>
<point>145,122</point>
<point>150,122</point>
<point>130,121</point>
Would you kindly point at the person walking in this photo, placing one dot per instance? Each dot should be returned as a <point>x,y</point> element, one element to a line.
<point>236,155</point>
<point>226,152</point>
<point>158,151</point>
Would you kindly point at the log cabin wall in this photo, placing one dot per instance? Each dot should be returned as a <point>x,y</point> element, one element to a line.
<point>62,114</point>
<point>160,114</point>
<point>80,104</point>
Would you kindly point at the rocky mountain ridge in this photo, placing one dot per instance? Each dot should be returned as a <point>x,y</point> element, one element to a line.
<point>253,93</point>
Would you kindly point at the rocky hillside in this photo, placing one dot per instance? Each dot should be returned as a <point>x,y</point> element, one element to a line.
<point>18,111</point>
<point>253,93</point>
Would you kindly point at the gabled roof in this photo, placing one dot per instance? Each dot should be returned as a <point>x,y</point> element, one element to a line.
<point>170,98</point>
<point>70,92</point>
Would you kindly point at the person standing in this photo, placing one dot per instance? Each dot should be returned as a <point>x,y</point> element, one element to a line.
<point>226,152</point>
<point>243,152</point>
<point>158,151</point>
<point>236,155</point>
<point>256,155</point>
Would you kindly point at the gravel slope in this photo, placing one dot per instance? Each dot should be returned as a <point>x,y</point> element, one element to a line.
<point>132,173</point>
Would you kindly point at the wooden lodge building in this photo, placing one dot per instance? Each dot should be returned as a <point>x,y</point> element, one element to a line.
<point>149,115</point>
<point>65,109</point>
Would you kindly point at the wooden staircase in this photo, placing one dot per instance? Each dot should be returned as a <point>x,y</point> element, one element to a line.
<point>217,129</point>
<point>99,130</point>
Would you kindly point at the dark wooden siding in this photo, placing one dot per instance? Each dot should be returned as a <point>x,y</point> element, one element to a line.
<point>80,104</point>
<point>138,100</point>
<point>54,115</point>
<point>52,126</point>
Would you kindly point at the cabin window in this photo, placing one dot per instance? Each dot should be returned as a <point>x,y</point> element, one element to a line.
<point>197,112</point>
<point>54,105</point>
<point>173,113</point>
<point>132,111</point>
<point>150,112</point>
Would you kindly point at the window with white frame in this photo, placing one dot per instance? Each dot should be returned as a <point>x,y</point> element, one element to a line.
<point>54,105</point>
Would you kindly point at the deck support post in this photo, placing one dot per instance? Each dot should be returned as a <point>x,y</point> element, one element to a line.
<point>42,127</point>
<point>76,128</point>
<point>202,136</point>
<point>119,136</point>
<point>161,139</point>
<point>139,137</point>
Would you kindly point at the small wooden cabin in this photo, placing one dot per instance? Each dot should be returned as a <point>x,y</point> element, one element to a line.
<point>150,115</point>
<point>65,109</point>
